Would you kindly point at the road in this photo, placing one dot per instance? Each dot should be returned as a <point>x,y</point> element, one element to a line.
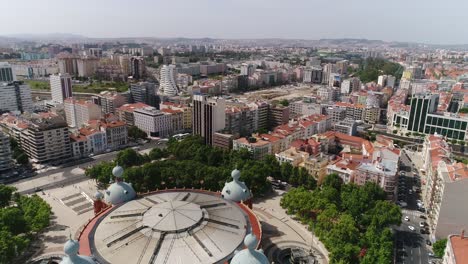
<point>69,175</point>
<point>410,245</point>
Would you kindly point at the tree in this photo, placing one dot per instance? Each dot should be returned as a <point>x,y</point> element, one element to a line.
<point>333,180</point>
<point>128,157</point>
<point>22,159</point>
<point>157,153</point>
<point>5,194</point>
<point>136,133</point>
<point>439,247</point>
<point>284,102</point>
<point>395,131</point>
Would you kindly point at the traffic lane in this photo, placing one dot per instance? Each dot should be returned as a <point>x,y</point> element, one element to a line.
<point>413,241</point>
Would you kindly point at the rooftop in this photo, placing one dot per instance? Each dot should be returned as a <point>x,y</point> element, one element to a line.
<point>172,226</point>
<point>460,248</point>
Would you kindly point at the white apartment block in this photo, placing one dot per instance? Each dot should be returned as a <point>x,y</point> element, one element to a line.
<point>154,122</point>
<point>79,112</point>
<point>60,87</point>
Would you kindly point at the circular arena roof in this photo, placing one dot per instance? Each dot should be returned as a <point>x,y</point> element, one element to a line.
<point>172,226</point>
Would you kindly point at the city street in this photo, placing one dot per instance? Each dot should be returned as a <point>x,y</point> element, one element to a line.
<point>411,245</point>
<point>72,174</point>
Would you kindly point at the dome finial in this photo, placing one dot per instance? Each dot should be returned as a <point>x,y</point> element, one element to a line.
<point>235,174</point>
<point>117,171</point>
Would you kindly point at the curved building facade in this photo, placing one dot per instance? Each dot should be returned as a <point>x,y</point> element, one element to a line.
<point>170,226</point>
<point>167,84</point>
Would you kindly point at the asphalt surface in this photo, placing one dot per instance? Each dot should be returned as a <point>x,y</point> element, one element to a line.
<point>410,244</point>
<point>66,169</point>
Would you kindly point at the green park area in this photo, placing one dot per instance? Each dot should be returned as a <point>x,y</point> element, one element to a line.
<point>94,87</point>
<point>22,218</point>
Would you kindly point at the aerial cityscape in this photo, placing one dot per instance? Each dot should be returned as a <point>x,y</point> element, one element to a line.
<point>181,138</point>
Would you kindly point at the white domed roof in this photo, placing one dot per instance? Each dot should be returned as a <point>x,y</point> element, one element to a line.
<point>98,195</point>
<point>250,255</point>
<point>236,190</point>
<point>118,171</point>
<point>71,248</point>
<point>119,192</point>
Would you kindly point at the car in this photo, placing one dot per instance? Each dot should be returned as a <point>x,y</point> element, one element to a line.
<point>422,231</point>
<point>429,243</point>
<point>430,254</point>
<point>411,228</point>
<point>422,224</point>
<point>410,191</point>
<point>422,217</point>
<point>407,218</point>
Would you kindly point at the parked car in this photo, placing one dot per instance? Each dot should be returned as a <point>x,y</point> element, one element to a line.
<point>411,228</point>
<point>407,218</point>
<point>428,242</point>
<point>422,224</point>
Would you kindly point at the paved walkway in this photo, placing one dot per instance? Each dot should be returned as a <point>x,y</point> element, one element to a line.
<point>281,232</point>
<point>65,220</point>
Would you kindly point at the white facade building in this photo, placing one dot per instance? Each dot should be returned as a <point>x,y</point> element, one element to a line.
<point>154,122</point>
<point>60,87</point>
<point>168,85</point>
<point>79,112</point>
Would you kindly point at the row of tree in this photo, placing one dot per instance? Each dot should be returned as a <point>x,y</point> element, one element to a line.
<point>190,163</point>
<point>370,69</point>
<point>20,218</point>
<point>353,222</point>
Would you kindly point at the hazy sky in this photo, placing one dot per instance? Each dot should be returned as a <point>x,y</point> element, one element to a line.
<point>430,21</point>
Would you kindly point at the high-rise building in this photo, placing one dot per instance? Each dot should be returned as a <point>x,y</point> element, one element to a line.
<point>421,105</point>
<point>6,73</point>
<point>144,92</point>
<point>79,112</point>
<point>342,66</point>
<point>137,67</point>
<point>247,69</point>
<point>68,63</point>
<point>208,116</point>
<point>15,96</point>
<point>5,153</point>
<point>60,87</point>
<point>168,85</point>
<point>87,66</point>
<point>312,75</point>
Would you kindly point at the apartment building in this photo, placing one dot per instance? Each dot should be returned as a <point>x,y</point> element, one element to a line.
<point>79,112</point>
<point>60,87</point>
<point>6,161</point>
<point>15,96</point>
<point>116,131</point>
<point>259,148</point>
<point>46,138</point>
<point>186,113</point>
<point>125,112</point>
<point>109,101</point>
<point>456,249</point>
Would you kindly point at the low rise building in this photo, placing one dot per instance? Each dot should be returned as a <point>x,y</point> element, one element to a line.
<point>258,147</point>
<point>125,112</point>
<point>154,122</point>
<point>456,250</point>
<point>116,131</point>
